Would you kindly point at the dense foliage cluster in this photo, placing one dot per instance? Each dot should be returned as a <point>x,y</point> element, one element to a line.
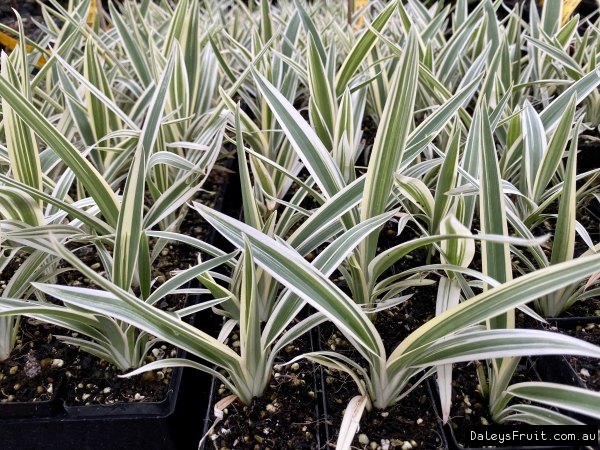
<point>106,140</point>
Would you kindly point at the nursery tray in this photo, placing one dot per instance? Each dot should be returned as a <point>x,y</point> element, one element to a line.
<point>160,425</point>
<point>572,322</point>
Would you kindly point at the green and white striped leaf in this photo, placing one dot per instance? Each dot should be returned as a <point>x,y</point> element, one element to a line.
<point>390,142</point>
<point>571,398</point>
<point>129,226</point>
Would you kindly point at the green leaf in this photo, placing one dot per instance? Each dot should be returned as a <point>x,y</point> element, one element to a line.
<point>321,105</point>
<point>16,204</point>
<point>459,252</point>
<point>554,154</point>
<point>250,336</point>
<point>129,226</point>
<point>303,138</point>
<point>571,398</point>
<point>251,214</point>
<point>131,46</point>
<point>551,115</point>
<point>564,234</point>
<point>361,49</point>
<point>417,192</point>
<point>390,142</point>
<point>446,181</point>
<point>20,139</point>
<point>84,171</point>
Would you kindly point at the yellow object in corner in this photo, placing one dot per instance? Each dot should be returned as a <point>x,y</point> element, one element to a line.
<point>569,7</point>
<point>10,44</point>
<point>357,5</point>
<point>92,13</point>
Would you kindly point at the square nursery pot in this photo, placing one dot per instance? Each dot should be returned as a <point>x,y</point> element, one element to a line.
<point>453,444</point>
<point>211,442</point>
<point>171,424</point>
<point>328,432</point>
<point>162,425</point>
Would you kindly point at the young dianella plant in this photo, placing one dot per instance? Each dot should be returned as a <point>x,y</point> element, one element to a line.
<point>321,226</point>
<point>108,337</point>
<point>453,336</point>
<point>497,265</point>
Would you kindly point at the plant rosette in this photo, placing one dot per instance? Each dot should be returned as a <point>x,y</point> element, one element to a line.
<point>287,415</point>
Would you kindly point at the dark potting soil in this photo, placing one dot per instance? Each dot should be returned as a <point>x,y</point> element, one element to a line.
<point>284,416</point>
<point>28,9</point>
<point>589,307</point>
<point>469,407</point>
<point>36,366</point>
<point>413,418</point>
<point>93,381</point>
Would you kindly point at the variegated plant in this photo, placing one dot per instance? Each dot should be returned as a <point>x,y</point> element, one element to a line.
<point>452,336</point>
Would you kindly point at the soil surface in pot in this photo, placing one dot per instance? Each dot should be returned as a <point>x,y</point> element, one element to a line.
<point>284,417</point>
<point>93,381</point>
<point>36,365</point>
<point>587,369</point>
<point>413,419</point>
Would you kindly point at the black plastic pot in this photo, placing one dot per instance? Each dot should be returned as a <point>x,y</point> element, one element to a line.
<point>587,156</point>
<point>26,410</point>
<point>172,424</point>
<point>453,444</point>
<point>165,425</point>
<point>209,417</point>
<point>327,433</point>
<point>569,323</point>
